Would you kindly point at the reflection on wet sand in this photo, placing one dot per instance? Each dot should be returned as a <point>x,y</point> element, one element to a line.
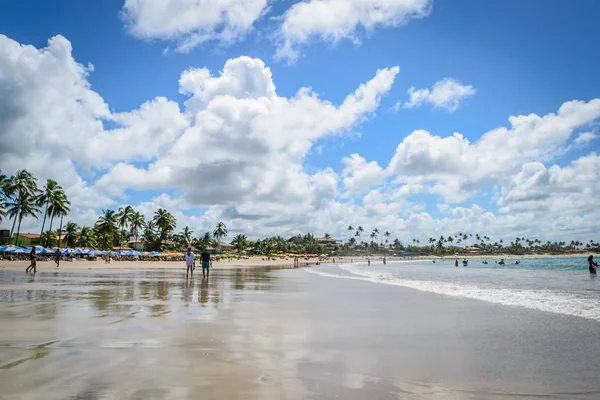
<point>265,333</point>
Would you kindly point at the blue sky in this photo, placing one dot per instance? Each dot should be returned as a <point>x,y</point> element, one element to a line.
<point>517,58</point>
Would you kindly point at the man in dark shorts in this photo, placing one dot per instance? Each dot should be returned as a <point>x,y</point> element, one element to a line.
<point>57,256</point>
<point>33,259</point>
<point>206,262</point>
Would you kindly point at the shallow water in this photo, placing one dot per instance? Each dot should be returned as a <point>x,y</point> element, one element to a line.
<point>268,333</point>
<point>558,285</point>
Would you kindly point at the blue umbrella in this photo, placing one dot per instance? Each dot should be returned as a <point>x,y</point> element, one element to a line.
<point>135,253</point>
<point>67,251</point>
<point>93,253</point>
<point>9,247</point>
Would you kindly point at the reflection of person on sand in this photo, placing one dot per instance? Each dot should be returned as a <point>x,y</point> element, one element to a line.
<point>206,262</point>
<point>189,262</point>
<point>593,265</point>
<point>32,258</point>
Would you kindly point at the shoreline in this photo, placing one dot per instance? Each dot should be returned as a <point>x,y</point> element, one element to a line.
<point>254,262</point>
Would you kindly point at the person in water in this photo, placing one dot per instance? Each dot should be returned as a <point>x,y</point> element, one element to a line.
<point>501,262</point>
<point>206,262</point>
<point>592,265</point>
<point>32,259</point>
<point>456,263</point>
<point>189,262</point>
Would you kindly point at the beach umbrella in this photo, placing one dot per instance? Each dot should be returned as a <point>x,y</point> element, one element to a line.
<point>135,253</point>
<point>67,251</point>
<point>93,253</point>
<point>9,248</point>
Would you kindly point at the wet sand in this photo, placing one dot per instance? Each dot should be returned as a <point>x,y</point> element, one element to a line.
<point>268,333</point>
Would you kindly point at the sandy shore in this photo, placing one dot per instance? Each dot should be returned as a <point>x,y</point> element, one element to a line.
<point>268,333</point>
<point>251,262</point>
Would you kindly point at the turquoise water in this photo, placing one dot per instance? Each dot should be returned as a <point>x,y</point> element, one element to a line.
<point>557,285</point>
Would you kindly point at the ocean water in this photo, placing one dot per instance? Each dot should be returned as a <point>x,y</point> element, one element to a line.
<point>556,285</point>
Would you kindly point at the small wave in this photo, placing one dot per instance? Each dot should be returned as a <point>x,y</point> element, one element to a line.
<point>546,300</point>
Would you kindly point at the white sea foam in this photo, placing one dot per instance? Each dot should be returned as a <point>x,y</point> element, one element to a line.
<point>543,300</point>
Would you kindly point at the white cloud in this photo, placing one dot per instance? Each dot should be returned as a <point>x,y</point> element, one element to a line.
<point>360,175</point>
<point>238,148</point>
<point>333,20</point>
<point>447,93</point>
<point>192,22</point>
<point>456,168</point>
<point>584,138</point>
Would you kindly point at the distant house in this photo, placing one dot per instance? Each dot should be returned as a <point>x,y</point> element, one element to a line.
<point>225,247</point>
<point>136,243</point>
<point>331,241</point>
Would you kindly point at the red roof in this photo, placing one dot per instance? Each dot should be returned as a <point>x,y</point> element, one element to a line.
<point>29,235</point>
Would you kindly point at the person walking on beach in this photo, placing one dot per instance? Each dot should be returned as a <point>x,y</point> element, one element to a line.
<point>206,262</point>
<point>57,257</point>
<point>593,265</point>
<point>33,259</point>
<point>189,262</point>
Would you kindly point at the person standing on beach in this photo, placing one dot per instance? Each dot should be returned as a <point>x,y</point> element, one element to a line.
<point>33,259</point>
<point>189,262</point>
<point>57,257</point>
<point>206,262</point>
<point>593,265</point>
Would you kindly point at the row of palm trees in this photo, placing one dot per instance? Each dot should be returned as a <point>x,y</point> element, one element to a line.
<point>20,197</point>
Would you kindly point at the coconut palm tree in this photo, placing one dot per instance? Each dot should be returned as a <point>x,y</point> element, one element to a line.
<point>220,231</point>
<point>22,207</point>
<point>124,216</point>
<point>165,222</point>
<point>49,238</point>
<point>106,226</point>
<point>239,243</point>
<point>206,241</point>
<point>187,235</point>
<point>19,185</point>
<point>86,237</point>
<point>3,196</point>
<point>59,205</point>
<point>360,231</point>
<point>61,209</point>
<point>71,233</point>
<point>350,229</point>
<point>46,196</point>
<point>136,222</point>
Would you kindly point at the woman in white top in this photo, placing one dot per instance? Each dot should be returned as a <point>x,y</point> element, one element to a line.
<point>189,262</point>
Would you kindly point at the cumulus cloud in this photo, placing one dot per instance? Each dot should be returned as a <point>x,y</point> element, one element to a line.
<point>334,20</point>
<point>447,94</point>
<point>359,175</point>
<point>456,168</point>
<point>584,138</point>
<point>190,23</point>
<point>237,150</point>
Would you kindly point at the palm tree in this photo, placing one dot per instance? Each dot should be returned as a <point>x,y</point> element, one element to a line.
<point>106,226</point>
<point>359,230</point>
<point>46,196</point>
<point>3,196</point>
<point>21,207</point>
<point>165,222</point>
<point>187,234</point>
<point>49,238</point>
<point>86,237</point>
<point>206,240</point>
<point>19,185</point>
<point>71,233</point>
<point>220,231</point>
<point>124,216</point>
<point>239,242</point>
<point>387,235</point>
<point>59,205</point>
<point>60,210</point>
<point>376,232</point>
<point>350,229</point>
<point>136,222</point>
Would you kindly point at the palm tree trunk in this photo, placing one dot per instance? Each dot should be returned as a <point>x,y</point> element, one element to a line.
<point>13,229</point>
<point>44,223</point>
<point>50,229</point>
<point>18,231</point>
<point>60,230</point>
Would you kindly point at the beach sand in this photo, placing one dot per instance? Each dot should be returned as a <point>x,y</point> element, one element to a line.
<point>268,333</point>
